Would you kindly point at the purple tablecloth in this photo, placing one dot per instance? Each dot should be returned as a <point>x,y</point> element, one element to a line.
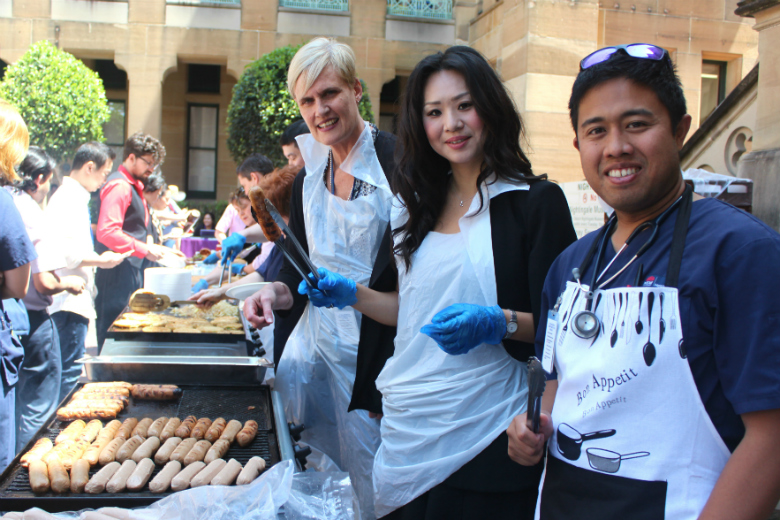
<point>190,246</point>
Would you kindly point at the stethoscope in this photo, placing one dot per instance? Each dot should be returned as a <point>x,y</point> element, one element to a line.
<point>585,324</point>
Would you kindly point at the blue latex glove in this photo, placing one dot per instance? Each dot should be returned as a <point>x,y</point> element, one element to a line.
<point>211,259</point>
<point>201,285</point>
<point>342,291</point>
<point>231,246</point>
<point>237,268</point>
<point>463,326</point>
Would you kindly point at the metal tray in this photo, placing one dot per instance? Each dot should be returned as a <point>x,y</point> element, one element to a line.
<point>181,337</point>
<point>178,370</point>
<point>201,401</point>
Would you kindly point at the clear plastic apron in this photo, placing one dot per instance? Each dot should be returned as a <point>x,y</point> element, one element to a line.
<point>632,437</point>
<point>441,411</point>
<point>317,369</point>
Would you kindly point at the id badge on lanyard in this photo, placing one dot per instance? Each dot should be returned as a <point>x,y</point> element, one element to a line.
<point>550,337</point>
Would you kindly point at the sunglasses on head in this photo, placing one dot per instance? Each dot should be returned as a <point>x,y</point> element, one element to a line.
<point>644,51</point>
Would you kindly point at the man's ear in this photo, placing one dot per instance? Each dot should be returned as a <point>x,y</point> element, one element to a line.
<point>576,143</point>
<point>682,130</point>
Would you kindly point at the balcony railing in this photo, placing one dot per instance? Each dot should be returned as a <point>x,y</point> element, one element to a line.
<point>436,9</point>
<point>320,5</point>
<point>207,3</point>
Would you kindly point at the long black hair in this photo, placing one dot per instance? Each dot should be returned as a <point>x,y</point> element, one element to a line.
<point>36,163</point>
<point>422,177</point>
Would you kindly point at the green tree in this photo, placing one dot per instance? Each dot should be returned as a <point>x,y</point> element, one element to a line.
<point>62,101</point>
<point>261,107</point>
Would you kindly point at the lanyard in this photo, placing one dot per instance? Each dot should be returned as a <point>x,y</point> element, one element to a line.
<point>678,245</point>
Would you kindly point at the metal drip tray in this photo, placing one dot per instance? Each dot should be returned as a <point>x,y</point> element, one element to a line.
<point>173,348</point>
<point>178,370</point>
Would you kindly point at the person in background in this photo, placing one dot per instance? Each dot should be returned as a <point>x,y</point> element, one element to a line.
<point>340,213</point>
<point>240,201</point>
<point>16,254</point>
<point>39,171</point>
<point>41,374</point>
<point>154,187</point>
<point>249,173</point>
<point>67,214</point>
<point>123,221</point>
<point>290,147</point>
<point>206,222</point>
<point>277,187</point>
<point>172,217</point>
<point>676,393</point>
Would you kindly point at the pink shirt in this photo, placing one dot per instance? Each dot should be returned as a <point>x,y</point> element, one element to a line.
<point>230,222</point>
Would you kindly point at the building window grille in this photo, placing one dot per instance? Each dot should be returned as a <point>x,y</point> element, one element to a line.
<point>319,5</point>
<point>435,9</point>
<point>203,129</point>
<point>207,3</point>
<point>114,129</point>
<point>713,86</point>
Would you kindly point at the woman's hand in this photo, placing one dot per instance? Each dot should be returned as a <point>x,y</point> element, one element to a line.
<point>208,297</point>
<point>341,291</point>
<point>259,308</point>
<point>463,326</point>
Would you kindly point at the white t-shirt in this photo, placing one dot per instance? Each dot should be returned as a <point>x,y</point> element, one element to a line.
<point>67,215</point>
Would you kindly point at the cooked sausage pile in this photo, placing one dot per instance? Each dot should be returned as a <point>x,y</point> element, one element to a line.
<point>191,452</point>
<point>106,400</point>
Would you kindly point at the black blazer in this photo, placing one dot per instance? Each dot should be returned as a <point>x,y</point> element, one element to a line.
<point>376,340</point>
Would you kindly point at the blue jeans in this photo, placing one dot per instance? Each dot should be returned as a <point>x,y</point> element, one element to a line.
<point>39,379</point>
<point>72,329</point>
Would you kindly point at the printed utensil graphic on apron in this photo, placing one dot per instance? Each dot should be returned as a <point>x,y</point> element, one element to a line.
<point>601,322</point>
<point>613,339</point>
<point>648,351</point>
<point>638,324</point>
<point>609,461</point>
<point>681,348</point>
<point>570,440</point>
<point>662,324</point>
<point>623,324</point>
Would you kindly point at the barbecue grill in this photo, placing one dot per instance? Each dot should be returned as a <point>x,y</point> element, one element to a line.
<point>273,443</point>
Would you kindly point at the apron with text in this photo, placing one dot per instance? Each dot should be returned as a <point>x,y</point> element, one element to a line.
<point>318,366</point>
<point>632,437</point>
<point>440,410</point>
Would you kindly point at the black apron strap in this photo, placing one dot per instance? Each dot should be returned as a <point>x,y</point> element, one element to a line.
<point>678,240</point>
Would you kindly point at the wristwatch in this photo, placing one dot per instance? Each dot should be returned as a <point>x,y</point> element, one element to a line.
<point>511,327</point>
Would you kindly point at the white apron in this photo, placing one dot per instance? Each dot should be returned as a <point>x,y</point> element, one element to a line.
<point>632,437</point>
<point>440,410</point>
<point>317,369</point>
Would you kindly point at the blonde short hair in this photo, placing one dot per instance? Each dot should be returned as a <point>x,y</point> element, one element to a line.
<point>14,141</point>
<point>312,58</point>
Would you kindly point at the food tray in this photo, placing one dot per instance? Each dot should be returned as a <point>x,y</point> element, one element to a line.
<point>178,370</point>
<point>182,337</point>
<point>204,401</point>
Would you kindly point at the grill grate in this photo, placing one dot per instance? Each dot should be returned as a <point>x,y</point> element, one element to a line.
<point>212,402</point>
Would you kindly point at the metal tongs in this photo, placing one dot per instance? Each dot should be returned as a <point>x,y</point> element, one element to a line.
<point>309,265</point>
<point>537,379</point>
<point>229,267</point>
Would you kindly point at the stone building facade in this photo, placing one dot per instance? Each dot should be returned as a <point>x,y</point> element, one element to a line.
<point>151,51</point>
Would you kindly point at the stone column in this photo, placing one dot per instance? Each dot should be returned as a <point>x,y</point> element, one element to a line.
<point>762,165</point>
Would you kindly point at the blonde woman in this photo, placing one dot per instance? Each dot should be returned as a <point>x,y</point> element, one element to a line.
<point>340,212</point>
<point>16,253</point>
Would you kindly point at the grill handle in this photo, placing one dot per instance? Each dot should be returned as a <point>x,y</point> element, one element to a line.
<point>282,432</point>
